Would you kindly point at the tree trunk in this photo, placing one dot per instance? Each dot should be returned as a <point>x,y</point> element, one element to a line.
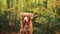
<point>8,3</point>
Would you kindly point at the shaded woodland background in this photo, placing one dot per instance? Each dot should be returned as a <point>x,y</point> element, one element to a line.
<point>46,15</point>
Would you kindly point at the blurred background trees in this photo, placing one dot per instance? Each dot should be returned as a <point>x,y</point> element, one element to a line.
<point>46,15</point>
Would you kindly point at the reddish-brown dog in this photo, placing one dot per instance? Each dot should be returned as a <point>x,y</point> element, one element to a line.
<point>26,23</point>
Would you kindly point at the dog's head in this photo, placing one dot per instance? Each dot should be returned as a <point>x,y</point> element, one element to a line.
<point>26,17</point>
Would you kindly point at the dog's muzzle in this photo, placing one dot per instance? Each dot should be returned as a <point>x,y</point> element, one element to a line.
<point>26,19</point>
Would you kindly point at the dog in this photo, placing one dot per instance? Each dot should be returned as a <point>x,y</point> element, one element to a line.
<point>26,23</point>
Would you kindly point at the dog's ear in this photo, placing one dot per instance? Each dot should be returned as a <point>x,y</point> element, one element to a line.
<point>31,15</point>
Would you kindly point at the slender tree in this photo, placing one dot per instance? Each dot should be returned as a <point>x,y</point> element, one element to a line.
<point>8,3</point>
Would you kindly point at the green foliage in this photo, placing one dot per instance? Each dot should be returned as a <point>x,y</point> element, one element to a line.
<point>45,15</point>
<point>58,10</point>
